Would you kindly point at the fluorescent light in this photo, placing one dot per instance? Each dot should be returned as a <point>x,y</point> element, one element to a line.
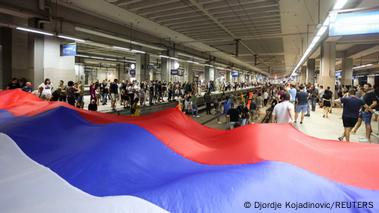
<point>362,66</point>
<point>93,32</point>
<point>339,4</point>
<point>322,30</point>
<point>127,49</point>
<point>138,51</point>
<point>173,58</point>
<point>71,38</point>
<point>163,56</point>
<point>121,48</point>
<point>34,31</point>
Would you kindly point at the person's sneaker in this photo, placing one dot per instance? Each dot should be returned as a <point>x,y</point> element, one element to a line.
<point>340,138</point>
<point>307,115</point>
<point>294,122</point>
<point>301,122</point>
<point>197,116</point>
<point>219,122</point>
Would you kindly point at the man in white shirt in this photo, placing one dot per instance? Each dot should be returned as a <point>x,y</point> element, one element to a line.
<point>284,111</point>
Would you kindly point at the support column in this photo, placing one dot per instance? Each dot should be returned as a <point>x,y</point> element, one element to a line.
<point>303,74</point>
<point>228,76</point>
<point>190,73</point>
<point>347,71</point>
<point>328,66</point>
<point>5,56</point>
<point>57,67</point>
<point>209,74</point>
<point>36,66</point>
<point>142,67</point>
<point>310,73</point>
<point>165,73</point>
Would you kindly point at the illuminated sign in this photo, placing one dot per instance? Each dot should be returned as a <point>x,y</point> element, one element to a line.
<point>354,23</point>
<point>174,72</point>
<point>132,72</point>
<point>68,50</point>
<point>235,74</point>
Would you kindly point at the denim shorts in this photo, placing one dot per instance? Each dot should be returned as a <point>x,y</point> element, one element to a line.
<point>366,117</point>
<point>302,108</point>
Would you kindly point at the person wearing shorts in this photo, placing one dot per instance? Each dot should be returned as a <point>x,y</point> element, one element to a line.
<point>351,106</point>
<point>301,104</point>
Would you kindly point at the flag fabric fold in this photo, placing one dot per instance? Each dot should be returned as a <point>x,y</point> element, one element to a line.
<point>165,161</point>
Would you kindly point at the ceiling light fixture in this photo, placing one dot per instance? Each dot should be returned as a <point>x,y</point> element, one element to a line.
<point>34,31</point>
<point>71,38</point>
<point>163,56</point>
<point>320,33</point>
<point>101,34</point>
<point>362,66</point>
<point>138,51</point>
<point>121,48</point>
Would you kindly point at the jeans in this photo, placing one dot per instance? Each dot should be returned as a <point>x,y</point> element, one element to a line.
<point>243,121</point>
<point>194,111</point>
<point>312,102</point>
<point>104,97</point>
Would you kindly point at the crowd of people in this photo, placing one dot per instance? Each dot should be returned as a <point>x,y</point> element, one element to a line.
<point>359,104</point>
<point>288,103</point>
<point>132,95</point>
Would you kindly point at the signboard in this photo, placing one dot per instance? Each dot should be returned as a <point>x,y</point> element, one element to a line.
<point>174,71</point>
<point>338,74</point>
<point>354,23</point>
<point>68,50</point>
<point>132,72</point>
<point>235,74</point>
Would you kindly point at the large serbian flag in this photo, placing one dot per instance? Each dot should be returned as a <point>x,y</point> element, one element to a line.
<point>55,158</point>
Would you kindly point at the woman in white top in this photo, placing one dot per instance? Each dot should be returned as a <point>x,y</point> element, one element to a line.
<point>47,89</point>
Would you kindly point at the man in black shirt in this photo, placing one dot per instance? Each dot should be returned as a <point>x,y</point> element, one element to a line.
<point>208,101</point>
<point>13,84</point>
<point>370,104</point>
<point>114,94</point>
<point>234,116</point>
<point>327,97</point>
<point>301,104</point>
<point>351,106</point>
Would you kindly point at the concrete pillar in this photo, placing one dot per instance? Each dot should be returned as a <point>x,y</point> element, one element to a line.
<point>328,65</point>
<point>303,75</point>
<point>347,71</point>
<point>55,66</point>
<point>142,67</point>
<point>5,56</point>
<point>165,74</point>
<point>310,73</point>
<point>189,73</point>
<point>228,76</point>
<point>209,73</point>
<point>37,59</point>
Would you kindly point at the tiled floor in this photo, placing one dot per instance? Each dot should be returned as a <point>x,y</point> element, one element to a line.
<point>315,125</point>
<point>332,128</point>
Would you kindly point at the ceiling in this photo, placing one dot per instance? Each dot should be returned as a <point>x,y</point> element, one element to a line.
<point>219,23</point>
<point>266,36</point>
